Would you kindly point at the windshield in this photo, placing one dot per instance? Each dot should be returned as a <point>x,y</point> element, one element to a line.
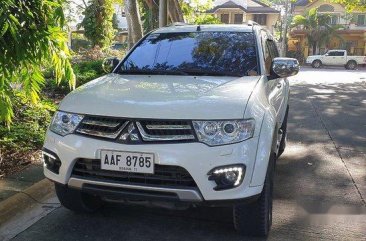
<point>194,53</point>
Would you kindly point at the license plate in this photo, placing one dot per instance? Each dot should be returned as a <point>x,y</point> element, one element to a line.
<point>127,161</point>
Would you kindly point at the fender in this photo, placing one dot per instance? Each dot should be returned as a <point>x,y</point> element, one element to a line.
<point>267,144</point>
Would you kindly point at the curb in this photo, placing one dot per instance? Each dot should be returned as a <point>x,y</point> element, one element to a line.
<point>31,196</point>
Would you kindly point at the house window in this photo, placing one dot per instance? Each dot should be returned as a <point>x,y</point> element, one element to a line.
<point>326,8</point>
<point>361,19</point>
<point>238,18</point>
<point>333,19</point>
<point>260,18</point>
<point>225,18</point>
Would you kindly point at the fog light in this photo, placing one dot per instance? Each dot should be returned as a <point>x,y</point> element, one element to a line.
<point>227,177</point>
<point>231,176</point>
<point>51,162</point>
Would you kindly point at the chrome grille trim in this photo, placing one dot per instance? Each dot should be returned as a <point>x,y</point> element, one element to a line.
<point>168,127</point>
<point>102,123</point>
<point>112,135</point>
<point>147,137</point>
<point>147,130</point>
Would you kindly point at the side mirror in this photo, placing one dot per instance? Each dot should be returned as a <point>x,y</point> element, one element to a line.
<point>109,64</point>
<point>285,67</point>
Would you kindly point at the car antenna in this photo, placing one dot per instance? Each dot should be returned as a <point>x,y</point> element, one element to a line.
<point>198,28</point>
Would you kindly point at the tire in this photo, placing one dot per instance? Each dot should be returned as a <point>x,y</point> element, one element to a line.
<point>316,64</point>
<point>255,219</point>
<point>283,141</point>
<point>76,200</point>
<point>351,65</point>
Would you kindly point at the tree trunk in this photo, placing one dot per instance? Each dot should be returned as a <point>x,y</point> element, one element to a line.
<point>175,11</point>
<point>163,13</point>
<point>314,48</point>
<point>133,22</point>
<point>285,28</point>
<point>153,15</point>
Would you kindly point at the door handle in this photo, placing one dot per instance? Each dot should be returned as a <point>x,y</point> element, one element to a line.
<point>279,85</point>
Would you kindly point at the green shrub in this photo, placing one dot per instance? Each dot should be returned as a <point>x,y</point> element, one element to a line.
<point>27,132</point>
<point>89,70</point>
<point>85,71</point>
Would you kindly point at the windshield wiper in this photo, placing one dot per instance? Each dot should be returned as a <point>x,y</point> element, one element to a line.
<point>202,72</point>
<point>197,72</point>
<point>153,72</point>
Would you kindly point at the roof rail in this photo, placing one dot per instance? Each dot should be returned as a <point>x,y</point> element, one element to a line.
<point>252,23</point>
<point>178,24</point>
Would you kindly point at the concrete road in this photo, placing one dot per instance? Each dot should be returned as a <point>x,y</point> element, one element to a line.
<point>320,185</point>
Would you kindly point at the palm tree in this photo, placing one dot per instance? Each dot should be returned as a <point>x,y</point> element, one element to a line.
<point>318,28</point>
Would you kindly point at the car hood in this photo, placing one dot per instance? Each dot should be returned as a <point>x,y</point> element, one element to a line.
<point>162,97</point>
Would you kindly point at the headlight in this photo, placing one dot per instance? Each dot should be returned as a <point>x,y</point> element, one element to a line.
<point>65,123</point>
<point>215,133</point>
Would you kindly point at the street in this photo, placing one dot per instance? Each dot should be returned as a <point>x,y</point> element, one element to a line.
<point>320,183</point>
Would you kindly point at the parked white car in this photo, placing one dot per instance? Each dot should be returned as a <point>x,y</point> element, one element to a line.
<point>193,115</point>
<point>336,58</point>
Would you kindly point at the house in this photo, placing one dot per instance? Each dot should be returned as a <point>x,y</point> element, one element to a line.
<point>351,34</point>
<point>240,11</point>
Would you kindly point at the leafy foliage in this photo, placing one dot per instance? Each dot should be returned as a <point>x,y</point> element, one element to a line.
<point>30,34</point>
<point>84,71</point>
<point>98,22</point>
<point>352,5</point>
<point>317,26</point>
<point>206,19</point>
<point>27,132</point>
<point>149,15</point>
<point>193,9</point>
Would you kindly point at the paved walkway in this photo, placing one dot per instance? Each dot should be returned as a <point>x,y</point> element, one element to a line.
<point>18,182</point>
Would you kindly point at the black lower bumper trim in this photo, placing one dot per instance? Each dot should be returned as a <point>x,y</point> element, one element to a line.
<point>128,194</point>
<point>117,193</point>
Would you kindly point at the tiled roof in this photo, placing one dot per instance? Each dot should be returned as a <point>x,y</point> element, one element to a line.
<point>261,10</point>
<point>228,4</point>
<point>301,2</point>
<point>231,4</point>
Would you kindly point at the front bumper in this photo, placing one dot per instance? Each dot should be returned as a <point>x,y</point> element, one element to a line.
<point>309,61</point>
<point>197,158</point>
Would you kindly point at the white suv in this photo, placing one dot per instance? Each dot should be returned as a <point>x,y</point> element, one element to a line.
<point>193,115</point>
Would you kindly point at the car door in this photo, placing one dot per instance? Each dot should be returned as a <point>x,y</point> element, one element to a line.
<point>329,58</point>
<point>339,58</point>
<point>276,86</point>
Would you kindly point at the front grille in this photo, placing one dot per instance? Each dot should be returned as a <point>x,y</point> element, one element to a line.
<point>172,176</point>
<point>137,131</point>
<point>101,126</point>
<point>165,130</point>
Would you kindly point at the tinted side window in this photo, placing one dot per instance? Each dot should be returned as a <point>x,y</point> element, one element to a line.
<point>267,57</point>
<point>332,53</point>
<point>266,53</point>
<point>275,49</point>
<point>340,53</point>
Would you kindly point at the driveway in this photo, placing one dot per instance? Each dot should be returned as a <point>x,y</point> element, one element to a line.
<point>320,183</point>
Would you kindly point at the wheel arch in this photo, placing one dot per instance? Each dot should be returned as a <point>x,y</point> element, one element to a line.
<point>317,60</point>
<point>267,145</point>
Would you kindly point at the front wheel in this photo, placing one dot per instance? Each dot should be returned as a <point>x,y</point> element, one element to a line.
<point>255,219</point>
<point>316,64</point>
<point>76,200</point>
